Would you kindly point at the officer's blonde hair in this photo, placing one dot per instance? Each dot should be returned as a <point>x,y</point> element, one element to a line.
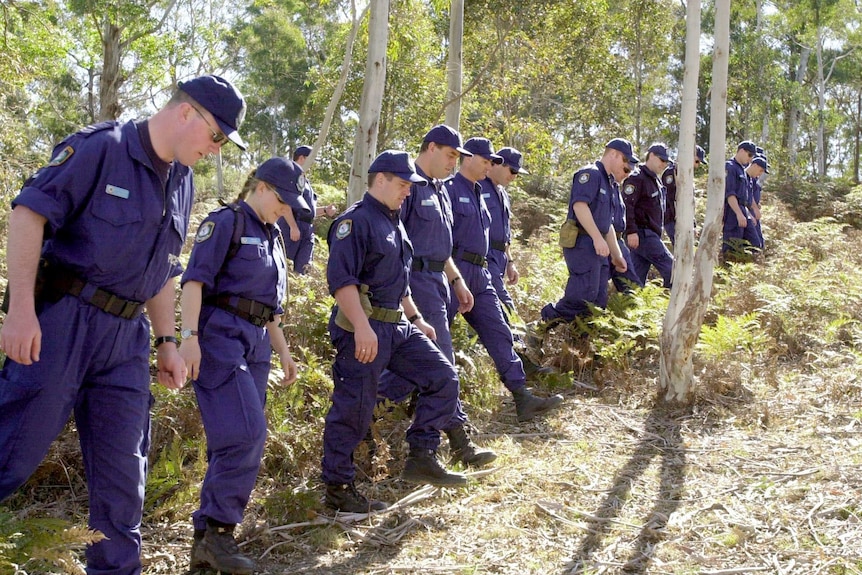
<point>249,186</point>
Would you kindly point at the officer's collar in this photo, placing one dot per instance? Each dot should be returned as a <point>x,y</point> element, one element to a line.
<point>161,167</point>
<point>603,171</point>
<point>643,168</point>
<point>372,201</point>
<point>250,211</point>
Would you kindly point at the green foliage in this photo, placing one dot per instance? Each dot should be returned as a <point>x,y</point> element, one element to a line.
<point>729,336</point>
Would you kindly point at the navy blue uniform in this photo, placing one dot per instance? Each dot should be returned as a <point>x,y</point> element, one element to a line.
<point>117,216</point>
<point>735,184</point>
<point>472,224</point>
<point>369,246</point>
<point>300,252</point>
<point>752,233</point>
<point>645,207</point>
<point>499,237</point>
<point>619,221</point>
<point>668,179</point>
<point>588,271</point>
<point>235,353</point>
<point>756,192</point>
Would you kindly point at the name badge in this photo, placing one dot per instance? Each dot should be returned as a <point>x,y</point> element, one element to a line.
<point>603,191</point>
<point>250,241</point>
<point>429,202</point>
<point>486,196</point>
<point>118,192</point>
<point>463,200</point>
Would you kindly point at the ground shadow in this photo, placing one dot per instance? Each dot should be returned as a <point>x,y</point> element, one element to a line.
<point>660,437</point>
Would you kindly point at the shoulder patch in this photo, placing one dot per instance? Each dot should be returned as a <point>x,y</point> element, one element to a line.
<point>205,232</point>
<point>584,178</point>
<point>668,179</point>
<point>344,228</point>
<point>629,189</point>
<point>62,156</point>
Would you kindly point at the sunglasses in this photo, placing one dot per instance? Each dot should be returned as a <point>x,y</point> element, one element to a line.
<point>217,136</point>
<point>627,169</point>
<point>513,171</point>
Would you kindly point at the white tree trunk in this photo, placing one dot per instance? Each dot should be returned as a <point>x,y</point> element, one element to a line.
<point>795,114</point>
<point>339,86</point>
<point>821,107</point>
<point>365,147</point>
<point>692,283</point>
<point>454,67</point>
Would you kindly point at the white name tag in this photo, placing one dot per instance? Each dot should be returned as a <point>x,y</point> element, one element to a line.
<point>118,192</point>
<point>463,200</point>
<point>429,202</point>
<point>246,240</point>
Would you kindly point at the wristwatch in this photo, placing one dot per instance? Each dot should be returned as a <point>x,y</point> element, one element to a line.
<point>187,333</point>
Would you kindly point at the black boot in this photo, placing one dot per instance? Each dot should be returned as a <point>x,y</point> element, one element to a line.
<point>422,466</point>
<point>346,499</point>
<point>531,368</point>
<point>195,564</point>
<point>529,406</point>
<point>218,550</point>
<point>464,450</point>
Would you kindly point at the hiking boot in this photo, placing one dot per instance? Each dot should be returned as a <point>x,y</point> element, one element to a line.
<point>218,550</point>
<point>531,368</point>
<point>462,449</point>
<point>346,499</point>
<point>196,564</point>
<point>529,406</point>
<point>422,466</point>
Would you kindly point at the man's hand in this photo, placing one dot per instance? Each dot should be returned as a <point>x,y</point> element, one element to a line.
<point>21,336</point>
<point>172,368</point>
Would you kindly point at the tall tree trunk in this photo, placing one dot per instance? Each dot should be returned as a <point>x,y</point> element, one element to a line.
<point>339,86</point>
<point>111,79</point>
<point>692,283</point>
<point>856,128</point>
<point>454,68</point>
<point>795,114</point>
<point>365,147</point>
<point>821,107</point>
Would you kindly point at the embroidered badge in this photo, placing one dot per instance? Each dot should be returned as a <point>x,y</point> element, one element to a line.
<point>64,155</point>
<point>668,179</point>
<point>584,178</point>
<point>344,228</point>
<point>629,189</point>
<point>117,191</point>
<point>204,232</point>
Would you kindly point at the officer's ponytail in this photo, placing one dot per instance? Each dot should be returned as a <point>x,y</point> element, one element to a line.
<point>249,186</point>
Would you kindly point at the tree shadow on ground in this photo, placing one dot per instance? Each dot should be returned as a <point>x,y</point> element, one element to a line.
<point>660,437</point>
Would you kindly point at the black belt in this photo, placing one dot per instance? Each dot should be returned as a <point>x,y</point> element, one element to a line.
<point>499,246</point>
<point>420,264</point>
<point>305,218</point>
<point>60,281</point>
<point>254,312</point>
<point>477,259</point>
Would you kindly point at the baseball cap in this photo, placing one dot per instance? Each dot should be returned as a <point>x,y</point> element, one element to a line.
<point>748,146</point>
<point>222,100</point>
<point>398,163</point>
<point>446,136</point>
<point>701,155</point>
<point>659,151</point>
<point>302,151</point>
<point>625,147</point>
<point>482,147</point>
<point>761,161</point>
<point>512,158</point>
<point>288,179</point>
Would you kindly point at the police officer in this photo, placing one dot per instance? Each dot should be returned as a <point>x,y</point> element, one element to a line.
<point>500,264</point>
<point>624,281</point>
<point>736,198</point>
<point>370,258</point>
<point>470,231</point>
<point>758,167</point>
<point>233,289</point>
<point>591,231</point>
<point>643,194</point>
<point>668,178</point>
<point>107,216</point>
<point>299,238</point>
<point>427,218</point>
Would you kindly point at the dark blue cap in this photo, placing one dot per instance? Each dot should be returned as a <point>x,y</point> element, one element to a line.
<point>513,158</point>
<point>289,181</point>
<point>302,151</point>
<point>625,147</point>
<point>761,161</point>
<point>398,163</point>
<point>482,147</point>
<point>701,155</point>
<point>660,151</point>
<point>446,136</point>
<point>222,100</point>
<point>748,146</point>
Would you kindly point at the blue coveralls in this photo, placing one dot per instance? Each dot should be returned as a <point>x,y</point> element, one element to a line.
<point>668,178</point>
<point>368,246</point>
<point>470,230</point>
<point>643,194</point>
<point>300,252</point>
<point>588,271</point>
<point>499,237</point>
<point>427,218</point>
<point>735,184</point>
<point>630,277</point>
<point>235,353</point>
<point>754,235</point>
<point>116,219</point>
